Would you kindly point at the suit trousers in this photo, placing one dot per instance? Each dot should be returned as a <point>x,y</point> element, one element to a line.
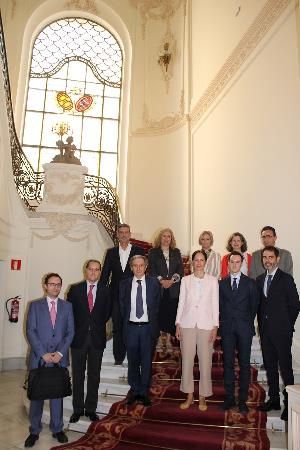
<point>56,415</point>
<point>196,340</point>
<point>238,339</point>
<point>277,351</point>
<point>139,355</point>
<point>119,349</point>
<point>92,358</point>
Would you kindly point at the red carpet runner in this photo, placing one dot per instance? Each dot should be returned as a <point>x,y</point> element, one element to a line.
<point>166,426</point>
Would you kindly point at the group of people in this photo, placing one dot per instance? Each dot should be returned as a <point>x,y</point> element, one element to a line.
<point>150,297</point>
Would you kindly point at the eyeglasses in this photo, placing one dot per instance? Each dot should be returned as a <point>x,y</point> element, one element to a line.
<point>264,236</point>
<point>57,285</point>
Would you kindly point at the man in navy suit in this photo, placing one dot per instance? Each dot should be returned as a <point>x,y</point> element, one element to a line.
<point>91,308</point>
<point>50,330</point>
<point>116,267</point>
<point>238,307</point>
<point>279,309</point>
<point>139,304</point>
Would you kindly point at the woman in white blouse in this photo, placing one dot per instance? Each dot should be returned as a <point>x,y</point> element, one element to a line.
<point>213,263</point>
<point>197,323</point>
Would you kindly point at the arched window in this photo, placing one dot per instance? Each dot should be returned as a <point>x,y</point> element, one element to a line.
<point>75,88</point>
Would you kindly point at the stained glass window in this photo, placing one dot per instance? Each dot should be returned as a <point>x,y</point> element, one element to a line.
<point>75,80</point>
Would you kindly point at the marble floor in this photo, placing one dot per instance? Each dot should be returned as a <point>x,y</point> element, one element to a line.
<point>13,416</point>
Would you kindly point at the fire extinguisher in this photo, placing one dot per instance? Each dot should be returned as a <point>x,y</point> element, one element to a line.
<point>13,313</point>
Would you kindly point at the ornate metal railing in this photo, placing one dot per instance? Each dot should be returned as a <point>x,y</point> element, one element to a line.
<point>99,196</point>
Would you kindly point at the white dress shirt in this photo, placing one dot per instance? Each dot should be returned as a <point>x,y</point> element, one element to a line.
<point>266,280</point>
<point>237,276</point>
<point>132,316</point>
<point>94,291</point>
<point>124,255</point>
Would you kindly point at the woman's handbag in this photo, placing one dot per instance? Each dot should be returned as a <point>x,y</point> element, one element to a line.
<point>45,382</point>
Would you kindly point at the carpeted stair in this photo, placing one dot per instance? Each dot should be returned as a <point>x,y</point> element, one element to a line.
<point>166,426</point>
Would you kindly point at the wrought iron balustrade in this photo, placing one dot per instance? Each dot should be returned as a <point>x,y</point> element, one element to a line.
<point>99,196</point>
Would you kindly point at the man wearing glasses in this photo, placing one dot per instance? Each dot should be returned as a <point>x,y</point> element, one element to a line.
<point>268,238</point>
<point>91,308</point>
<point>50,330</point>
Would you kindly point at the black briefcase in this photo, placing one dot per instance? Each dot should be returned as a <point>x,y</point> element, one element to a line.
<point>45,383</point>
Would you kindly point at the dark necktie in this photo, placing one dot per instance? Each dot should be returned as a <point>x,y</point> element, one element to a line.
<point>269,281</point>
<point>234,285</point>
<point>139,300</point>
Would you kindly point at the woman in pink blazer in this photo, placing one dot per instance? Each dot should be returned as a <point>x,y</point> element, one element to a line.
<point>197,323</point>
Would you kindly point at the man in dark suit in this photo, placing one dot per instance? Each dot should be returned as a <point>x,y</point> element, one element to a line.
<point>238,307</point>
<point>92,308</point>
<point>279,308</point>
<point>116,267</point>
<point>139,304</point>
<point>269,237</point>
<point>50,330</point>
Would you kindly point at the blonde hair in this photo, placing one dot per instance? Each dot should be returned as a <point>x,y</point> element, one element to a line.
<point>209,234</point>
<point>157,240</point>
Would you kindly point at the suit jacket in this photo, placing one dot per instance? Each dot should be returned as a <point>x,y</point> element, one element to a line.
<point>112,272</point>
<point>203,311</point>
<point>240,307</point>
<point>285,263</point>
<point>158,267</point>
<point>152,299</point>
<point>280,309</point>
<point>42,337</point>
<point>94,321</point>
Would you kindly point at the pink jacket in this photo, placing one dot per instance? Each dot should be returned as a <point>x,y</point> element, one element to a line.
<point>203,311</point>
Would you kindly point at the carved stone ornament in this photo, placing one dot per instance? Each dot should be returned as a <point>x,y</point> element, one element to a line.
<point>84,5</point>
<point>64,185</point>
<point>66,225</point>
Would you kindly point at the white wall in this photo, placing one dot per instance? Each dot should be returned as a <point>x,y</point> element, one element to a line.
<point>245,154</point>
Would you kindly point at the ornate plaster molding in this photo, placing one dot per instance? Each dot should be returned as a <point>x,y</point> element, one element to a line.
<point>255,33</point>
<point>165,125</point>
<point>61,224</point>
<point>157,10</point>
<point>84,5</point>
<point>262,24</point>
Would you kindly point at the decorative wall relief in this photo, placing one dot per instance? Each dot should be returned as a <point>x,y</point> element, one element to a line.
<point>166,124</point>
<point>167,57</point>
<point>85,5</point>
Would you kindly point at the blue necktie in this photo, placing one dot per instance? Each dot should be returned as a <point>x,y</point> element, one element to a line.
<point>139,300</point>
<point>269,281</point>
<point>234,285</point>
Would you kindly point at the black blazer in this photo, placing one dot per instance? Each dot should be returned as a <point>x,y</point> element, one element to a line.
<point>158,267</point>
<point>84,320</point>
<point>281,308</point>
<point>152,299</point>
<point>240,307</point>
<point>112,272</point>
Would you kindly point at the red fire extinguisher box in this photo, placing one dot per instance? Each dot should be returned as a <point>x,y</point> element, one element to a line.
<point>15,264</point>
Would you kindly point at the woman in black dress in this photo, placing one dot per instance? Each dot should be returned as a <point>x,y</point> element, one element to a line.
<point>165,263</point>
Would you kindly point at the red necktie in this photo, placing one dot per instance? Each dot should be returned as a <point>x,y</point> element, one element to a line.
<point>90,298</point>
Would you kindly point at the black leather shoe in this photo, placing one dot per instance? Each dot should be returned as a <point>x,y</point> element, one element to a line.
<point>243,408</point>
<point>228,404</point>
<point>75,417</point>
<point>147,401</point>
<point>92,416</point>
<point>269,405</point>
<point>61,437</point>
<point>30,441</point>
<point>285,414</point>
